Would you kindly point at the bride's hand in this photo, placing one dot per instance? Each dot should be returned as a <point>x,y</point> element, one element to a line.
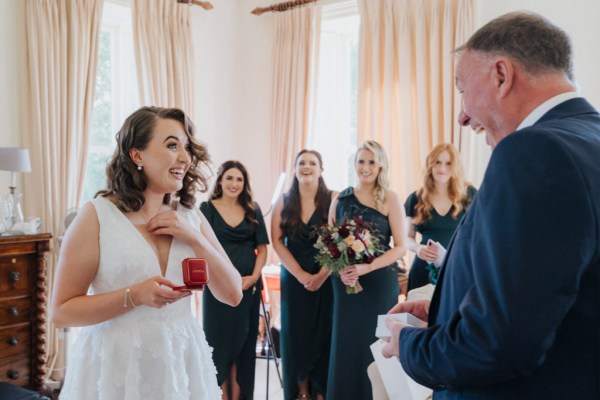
<point>174,224</point>
<point>156,292</point>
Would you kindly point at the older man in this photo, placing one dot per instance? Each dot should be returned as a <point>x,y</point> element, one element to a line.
<point>516,313</point>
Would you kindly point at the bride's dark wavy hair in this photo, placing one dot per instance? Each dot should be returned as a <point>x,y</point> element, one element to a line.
<point>126,184</point>
<point>291,218</point>
<point>245,197</point>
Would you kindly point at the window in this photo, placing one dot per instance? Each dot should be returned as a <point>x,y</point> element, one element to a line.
<point>335,120</point>
<point>116,92</point>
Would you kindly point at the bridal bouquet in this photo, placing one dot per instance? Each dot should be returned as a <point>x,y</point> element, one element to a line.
<point>349,243</point>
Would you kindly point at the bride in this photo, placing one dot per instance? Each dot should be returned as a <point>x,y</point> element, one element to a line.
<point>122,256</point>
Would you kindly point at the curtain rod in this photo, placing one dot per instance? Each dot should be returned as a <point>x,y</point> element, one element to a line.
<point>287,5</point>
<point>204,4</point>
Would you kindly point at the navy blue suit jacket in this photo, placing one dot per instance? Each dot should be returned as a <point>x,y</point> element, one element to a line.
<point>516,313</point>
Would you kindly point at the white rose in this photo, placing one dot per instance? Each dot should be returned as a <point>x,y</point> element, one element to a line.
<point>358,246</point>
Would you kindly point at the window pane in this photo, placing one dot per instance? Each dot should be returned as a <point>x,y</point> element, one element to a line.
<point>334,131</point>
<point>100,143</point>
<point>116,93</point>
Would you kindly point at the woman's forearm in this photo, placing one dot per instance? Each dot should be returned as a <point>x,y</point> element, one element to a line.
<point>289,261</point>
<point>261,259</point>
<point>92,309</point>
<point>389,257</point>
<point>225,281</point>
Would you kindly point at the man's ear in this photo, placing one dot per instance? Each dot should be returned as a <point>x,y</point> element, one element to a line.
<point>135,156</point>
<point>503,75</point>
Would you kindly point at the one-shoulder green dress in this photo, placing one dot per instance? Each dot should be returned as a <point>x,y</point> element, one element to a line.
<point>355,315</point>
<point>305,318</point>
<point>232,331</point>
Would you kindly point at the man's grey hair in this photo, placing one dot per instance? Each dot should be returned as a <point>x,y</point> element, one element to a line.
<point>534,42</point>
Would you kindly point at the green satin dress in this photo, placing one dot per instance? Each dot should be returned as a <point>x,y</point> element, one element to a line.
<point>305,318</point>
<point>232,331</point>
<point>355,315</point>
<point>439,228</point>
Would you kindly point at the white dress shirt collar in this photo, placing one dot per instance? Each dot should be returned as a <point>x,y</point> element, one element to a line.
<point>546,106</point>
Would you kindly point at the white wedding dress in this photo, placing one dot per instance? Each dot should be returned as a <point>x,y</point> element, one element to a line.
<point>146,353</point>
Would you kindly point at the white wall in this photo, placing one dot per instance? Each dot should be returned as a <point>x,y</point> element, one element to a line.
<point>12,45</point>
<point>233,106</point>
<point>579,18</point>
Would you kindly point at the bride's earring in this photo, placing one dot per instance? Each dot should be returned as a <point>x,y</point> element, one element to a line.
<point>139,166</point>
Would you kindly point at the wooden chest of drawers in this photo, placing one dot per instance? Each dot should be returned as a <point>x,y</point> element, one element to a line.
<point>23,309</point>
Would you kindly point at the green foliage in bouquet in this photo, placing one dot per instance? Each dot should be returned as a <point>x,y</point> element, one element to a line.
<point>351,242</point>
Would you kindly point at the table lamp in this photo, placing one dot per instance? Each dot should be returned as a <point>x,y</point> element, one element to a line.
<point>13,159</point>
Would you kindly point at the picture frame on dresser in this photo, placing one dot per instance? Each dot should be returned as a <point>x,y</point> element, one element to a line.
<point>23,309</point>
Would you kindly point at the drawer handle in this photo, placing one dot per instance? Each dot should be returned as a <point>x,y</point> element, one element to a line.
<point>13,311</point>
<point>14,276</point>
<point>12,374</point>
<point>13,341</point>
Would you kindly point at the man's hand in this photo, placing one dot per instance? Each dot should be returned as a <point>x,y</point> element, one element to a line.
<point>418,308</point>
<point>392,346</point>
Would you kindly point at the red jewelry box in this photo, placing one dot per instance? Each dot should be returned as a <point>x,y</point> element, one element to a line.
<point>195,274</point>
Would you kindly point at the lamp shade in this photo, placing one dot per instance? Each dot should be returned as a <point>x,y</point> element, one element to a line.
<point>14,159</point>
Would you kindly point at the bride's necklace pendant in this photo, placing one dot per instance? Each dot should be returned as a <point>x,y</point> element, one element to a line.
<point>145,218</point>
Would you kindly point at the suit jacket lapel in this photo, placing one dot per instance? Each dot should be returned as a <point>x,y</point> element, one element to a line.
<point>435,300</point>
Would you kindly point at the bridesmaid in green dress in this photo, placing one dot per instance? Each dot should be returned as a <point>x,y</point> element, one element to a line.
<point>238,224</point>
<point>306,297</point>
<point>355,315</point>
<point>435,210</point>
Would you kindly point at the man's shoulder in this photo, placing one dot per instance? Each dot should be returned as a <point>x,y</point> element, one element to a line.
<point>553,150</point>
<point>571,131</point>
<point>577,107</point>
<point>572,120</point>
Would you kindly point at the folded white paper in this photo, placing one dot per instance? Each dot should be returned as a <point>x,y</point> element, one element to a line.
<point>398,385</point>
<point>382,330</point>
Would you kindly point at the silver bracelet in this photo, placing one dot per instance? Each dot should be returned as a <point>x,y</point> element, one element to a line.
<point>125,298</point>
<point>130,297</point>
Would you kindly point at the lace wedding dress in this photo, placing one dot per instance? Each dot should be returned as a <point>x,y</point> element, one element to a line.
<point>146,353</point>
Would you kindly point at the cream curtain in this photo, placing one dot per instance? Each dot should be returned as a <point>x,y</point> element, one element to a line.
<point>164,53</point>
<point>60,77</point>
<point>295,56</point>
<point>406,95</point>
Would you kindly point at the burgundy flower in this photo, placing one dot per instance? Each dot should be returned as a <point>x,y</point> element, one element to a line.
<point>328,240</point>
<point>368,258</point>
<point>344,232</point>
<point>334,251</point>
<point>351,254</point>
